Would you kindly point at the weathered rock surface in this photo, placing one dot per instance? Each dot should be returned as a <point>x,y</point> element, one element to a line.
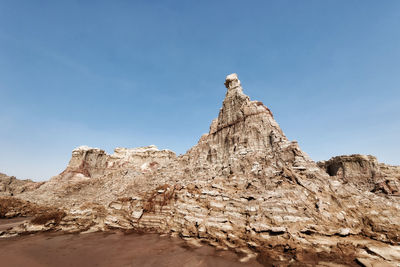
<point>244,186</point>
<point>9,185</point>
<point>365,173</point>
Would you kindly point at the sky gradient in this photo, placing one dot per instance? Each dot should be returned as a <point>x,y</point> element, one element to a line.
<point>133,73</point>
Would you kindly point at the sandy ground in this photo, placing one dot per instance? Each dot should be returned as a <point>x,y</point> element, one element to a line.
<point>110,249</point>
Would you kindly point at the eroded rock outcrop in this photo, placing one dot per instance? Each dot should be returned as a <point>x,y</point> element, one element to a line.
<point>244,186</point>
<point>365,173</point>
<point>246,140</point>
<point>10,186</point>
<point>93,162</point>
<point>390,181</point>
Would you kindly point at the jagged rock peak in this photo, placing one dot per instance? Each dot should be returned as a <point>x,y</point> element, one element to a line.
<point>246,139</point>
<point>232,82</point>
<point>234,102</point>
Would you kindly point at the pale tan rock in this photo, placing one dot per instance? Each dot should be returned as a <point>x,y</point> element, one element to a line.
<point>243,185</point>
<point>9,185</point>
<point>365,173</point>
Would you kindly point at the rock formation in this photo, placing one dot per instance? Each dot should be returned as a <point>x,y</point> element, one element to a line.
<point>244,186</point>
<point>10,186</point>
<point>364,172</point>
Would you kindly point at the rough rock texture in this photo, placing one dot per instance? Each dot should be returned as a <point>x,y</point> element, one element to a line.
<point>9,185</point>
<point>364,172</point>
<point>390,180</point>
<point>244,186</point>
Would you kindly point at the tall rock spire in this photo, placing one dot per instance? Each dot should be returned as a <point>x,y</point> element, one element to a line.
<point>245,134</point>
<point>235,100</point>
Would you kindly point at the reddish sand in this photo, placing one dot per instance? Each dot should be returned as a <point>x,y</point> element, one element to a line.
<point>110,249</point>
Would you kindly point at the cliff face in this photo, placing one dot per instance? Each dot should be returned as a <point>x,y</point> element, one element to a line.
<point>365,173</point>
<point>244,186</point>
<point>93,162</point>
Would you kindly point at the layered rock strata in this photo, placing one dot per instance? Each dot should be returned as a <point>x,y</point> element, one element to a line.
<point>365,173</point>
<point>244,186</point>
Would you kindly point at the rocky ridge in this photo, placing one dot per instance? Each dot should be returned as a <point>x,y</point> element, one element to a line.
<point>364,172</point>
<point>10,185</point>
<point>244,186</point>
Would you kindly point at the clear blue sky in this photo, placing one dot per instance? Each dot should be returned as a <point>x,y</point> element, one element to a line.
<point>135,73</point>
